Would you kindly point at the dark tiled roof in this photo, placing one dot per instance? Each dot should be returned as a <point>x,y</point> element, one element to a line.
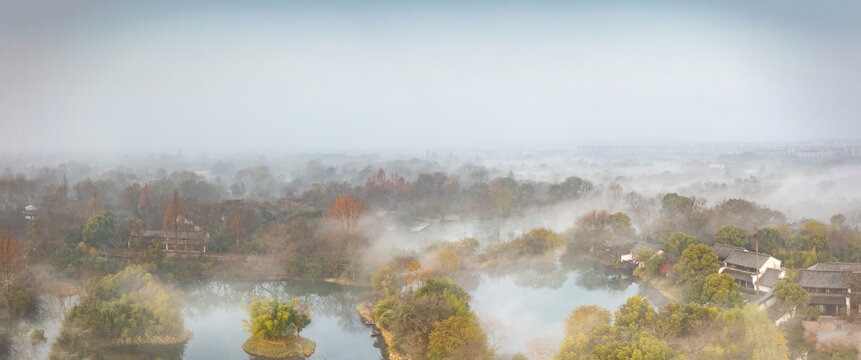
<point>161,234</point>
<point>823,279</point>
<point>738,274</point>
<point>824,299</point>
<point>723,251</point>
<point>746,258</point>
<point>769,277</point>
<point>856,267</point>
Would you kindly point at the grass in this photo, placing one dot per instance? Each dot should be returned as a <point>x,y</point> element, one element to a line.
<point>291,347</point>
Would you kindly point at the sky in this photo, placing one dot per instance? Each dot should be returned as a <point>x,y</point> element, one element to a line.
<point>216,76</point>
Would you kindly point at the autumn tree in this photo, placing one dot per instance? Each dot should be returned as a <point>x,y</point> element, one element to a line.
<point>172,213</point>
<point>346,211</point>
<point>586,318</point>
<point>11,254</point>
<point>458,337</point>
<point>538,242</point>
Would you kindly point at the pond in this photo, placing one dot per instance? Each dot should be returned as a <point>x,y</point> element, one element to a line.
<point>516,304</point>
<point>524,306</point>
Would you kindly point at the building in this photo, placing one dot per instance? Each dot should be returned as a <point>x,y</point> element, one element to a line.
<point>769,278</point>
<point>749,269</point>
<point>830,290</point>
<point>723,251</point>
<point>851,278</point>
<point>30,212</point>
<point>172,241</point>
<point>187,238</point>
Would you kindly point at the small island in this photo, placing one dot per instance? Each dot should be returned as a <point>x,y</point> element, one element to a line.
<point>274,326</point>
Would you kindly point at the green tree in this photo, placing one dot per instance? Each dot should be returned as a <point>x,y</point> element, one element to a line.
<point>677,243</point>
<point>620,223</point>
<point>572,188</point>
<point>271,319</point>
<point>720,289</point>
<point>790,295</point>
<point>698,260</point>
<point>770,240</point>
<point>838,220</point>
<point>732,235</point>
<point>636,313</point>
<point>642,346</point>
<point>98,230</point>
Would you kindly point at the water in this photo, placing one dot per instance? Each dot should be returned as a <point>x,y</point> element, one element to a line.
<point>215,313</point>
<point>515,304</point>
<point>530,302</point>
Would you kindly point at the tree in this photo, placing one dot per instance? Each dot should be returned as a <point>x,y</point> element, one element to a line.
<point>172,213</point>
<point>636,313</point>
<point>346,211</point>
<point>11,254</point>
<point>504,199</point>
<point>790,295</point>
<point>572,188</point>
<point>98,230</point>
<point>698,260</point>
<point>770,240</point>
<point>271,319</point>
<point>720,289</point>
<point>838,220</point>
<point>620,223</point>
<point>538,241</point>
<point>676,244</point>
<point>732,235</point>
<point>458,337</point>
<point>586,318</point>
<point>642,346</point>
<point>744,333</point>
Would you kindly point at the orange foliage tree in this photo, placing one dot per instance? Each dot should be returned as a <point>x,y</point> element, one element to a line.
<point>346,211</point>
<point>11,254</point>
<point>174,210</point>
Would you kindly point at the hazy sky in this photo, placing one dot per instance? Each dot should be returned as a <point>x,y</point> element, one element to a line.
<point>130,76</point>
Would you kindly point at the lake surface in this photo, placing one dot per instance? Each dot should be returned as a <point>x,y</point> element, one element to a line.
<point>529,303</point>
<point>515,304</point>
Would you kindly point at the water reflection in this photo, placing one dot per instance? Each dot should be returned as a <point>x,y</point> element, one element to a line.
<point>214,314</point>
<point>519,303</point>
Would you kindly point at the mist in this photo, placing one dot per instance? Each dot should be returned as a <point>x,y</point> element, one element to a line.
<point>466,180</point>
<point>218,77</point>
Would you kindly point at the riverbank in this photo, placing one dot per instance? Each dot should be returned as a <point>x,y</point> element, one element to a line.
<point>367,315</point>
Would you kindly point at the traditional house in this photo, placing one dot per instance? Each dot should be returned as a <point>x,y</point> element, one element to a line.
<point>723,251</point>
<point>747,268</point>
<point>187,238</point>
<point>30,212</point>
<point>173,241</point>
<point>829,290</point>
<point>769,278</point>
<point>632,261</point>
<point>852,275</point>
